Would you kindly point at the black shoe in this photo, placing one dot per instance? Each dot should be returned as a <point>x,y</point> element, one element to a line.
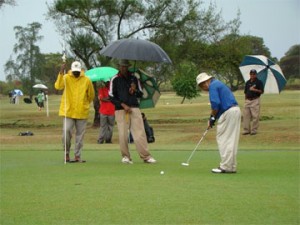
<point>77,160</point>
<point>100,142</point>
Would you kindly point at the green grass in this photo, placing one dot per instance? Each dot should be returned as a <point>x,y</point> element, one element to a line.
<point>36,187</point>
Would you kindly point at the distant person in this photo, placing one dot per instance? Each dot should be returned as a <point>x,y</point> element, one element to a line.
<point>40,100</point>
<point>74,107</point>
<point>148,129</point>
<point>125,91</point>
<point>253,89</point>
<point>107,115</point>
<point>224,108</point>
<point>14,98</point>
<point>10,95</point>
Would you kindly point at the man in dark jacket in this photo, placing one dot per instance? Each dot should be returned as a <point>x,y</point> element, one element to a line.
<point>125,91</point>
<point>253,89</point>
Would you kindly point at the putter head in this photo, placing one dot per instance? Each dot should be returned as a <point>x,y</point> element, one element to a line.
<point>184,164</point>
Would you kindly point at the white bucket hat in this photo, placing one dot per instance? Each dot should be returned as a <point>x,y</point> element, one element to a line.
<point>76,66</point>
<point>202,77</point>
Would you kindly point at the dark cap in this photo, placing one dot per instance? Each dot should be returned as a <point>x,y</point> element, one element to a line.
<point>253,71</point>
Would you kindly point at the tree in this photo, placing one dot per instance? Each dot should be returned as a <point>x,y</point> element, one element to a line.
<point>28,63</point>
<point>184,81</point>
<point>229,53</point>
<point>290,63</point>
<point>7,2</point>
<point>188,34</point>
<point>90,25</point>
<point>50,69</point>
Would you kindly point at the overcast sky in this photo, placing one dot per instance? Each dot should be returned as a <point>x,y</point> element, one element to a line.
<point>276,21</point>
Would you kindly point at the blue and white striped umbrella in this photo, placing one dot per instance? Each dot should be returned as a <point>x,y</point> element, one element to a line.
<point>267,71</point>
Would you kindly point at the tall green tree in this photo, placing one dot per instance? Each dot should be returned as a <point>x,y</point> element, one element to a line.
<point>184,81</point>
<point>290,63</point>
<point>7,2</point>
<point>229,53</point>
<point>90,25</point>
<point>27,66</point>
<point>50,68</point>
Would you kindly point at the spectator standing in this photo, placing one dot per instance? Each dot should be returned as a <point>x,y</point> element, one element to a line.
<point>107,115</point>
<point>40,100</point>
<point>74,107</point>
<point>125,91</point>
<point>253,90</point>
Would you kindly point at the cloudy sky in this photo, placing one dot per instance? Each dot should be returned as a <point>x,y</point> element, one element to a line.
<point>276,21</point>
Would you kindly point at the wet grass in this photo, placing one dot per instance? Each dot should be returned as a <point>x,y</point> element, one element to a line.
<point>38,188</point>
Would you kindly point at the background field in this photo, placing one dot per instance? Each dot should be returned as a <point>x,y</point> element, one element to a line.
<point>37,188</point>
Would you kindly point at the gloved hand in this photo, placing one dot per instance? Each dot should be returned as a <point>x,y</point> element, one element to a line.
<point>211,121</point>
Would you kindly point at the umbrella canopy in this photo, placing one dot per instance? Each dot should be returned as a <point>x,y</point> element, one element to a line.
<point>136,49</point>
<point>151,92</point>
<point>40,86</point>
<point>101,73</point>
<point>267,71</point>
<point>18,92</point>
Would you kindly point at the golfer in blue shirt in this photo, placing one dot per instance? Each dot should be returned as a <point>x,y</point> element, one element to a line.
<point>224,108</point>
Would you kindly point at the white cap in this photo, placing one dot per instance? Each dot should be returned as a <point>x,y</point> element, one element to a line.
<point>76,66</point>
<point>202,77</point>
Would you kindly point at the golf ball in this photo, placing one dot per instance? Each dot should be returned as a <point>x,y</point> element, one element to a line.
<point>162,172</point>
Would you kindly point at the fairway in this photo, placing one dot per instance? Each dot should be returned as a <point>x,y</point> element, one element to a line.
<point>38,188</point>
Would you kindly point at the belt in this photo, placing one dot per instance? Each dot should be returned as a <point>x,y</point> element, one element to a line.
<point>252,98</point>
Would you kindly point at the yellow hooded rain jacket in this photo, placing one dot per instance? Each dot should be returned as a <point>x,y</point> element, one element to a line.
<point>77,96</point>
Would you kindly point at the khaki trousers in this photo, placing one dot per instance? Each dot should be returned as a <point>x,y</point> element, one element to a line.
<point>251,112</point>
<point>134,122</point>
<point>228,134</point>
<point>69,124</point>
<point>107,123</point>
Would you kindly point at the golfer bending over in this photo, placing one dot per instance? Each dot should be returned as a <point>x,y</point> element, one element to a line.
<point>225,108</point>
<point>74,107</point>
<point>124,91</point>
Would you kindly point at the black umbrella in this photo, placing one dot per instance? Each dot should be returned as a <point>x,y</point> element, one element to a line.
<point>136,49</point>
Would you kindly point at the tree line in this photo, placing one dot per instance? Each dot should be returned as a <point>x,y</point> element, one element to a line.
<point>196,39</point>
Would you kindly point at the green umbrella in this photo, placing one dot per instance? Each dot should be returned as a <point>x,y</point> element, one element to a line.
<point>104,73</point>
<point>150,89</point>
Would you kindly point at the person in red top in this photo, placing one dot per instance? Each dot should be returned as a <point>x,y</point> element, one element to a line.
<point>107,115</point>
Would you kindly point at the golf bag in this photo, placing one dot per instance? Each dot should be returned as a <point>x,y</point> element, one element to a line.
<point>27,133</point>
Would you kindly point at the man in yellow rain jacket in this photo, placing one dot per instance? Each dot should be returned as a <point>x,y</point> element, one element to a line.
<point>74,107</point>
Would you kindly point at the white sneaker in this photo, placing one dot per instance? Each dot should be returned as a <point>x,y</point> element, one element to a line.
<point>219,170</point>
<point>126,160</point>
<point>150,160</point>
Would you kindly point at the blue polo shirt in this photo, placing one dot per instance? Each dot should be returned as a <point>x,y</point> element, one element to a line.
<point>221,97</point>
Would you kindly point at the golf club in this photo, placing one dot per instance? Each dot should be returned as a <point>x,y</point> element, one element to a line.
<point>188,161</point>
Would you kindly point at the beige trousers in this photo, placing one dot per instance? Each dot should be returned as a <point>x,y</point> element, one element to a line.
<point>134,122</point>
<point>251,113</point>
<point>228,135</point>
<point>68,127</point>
